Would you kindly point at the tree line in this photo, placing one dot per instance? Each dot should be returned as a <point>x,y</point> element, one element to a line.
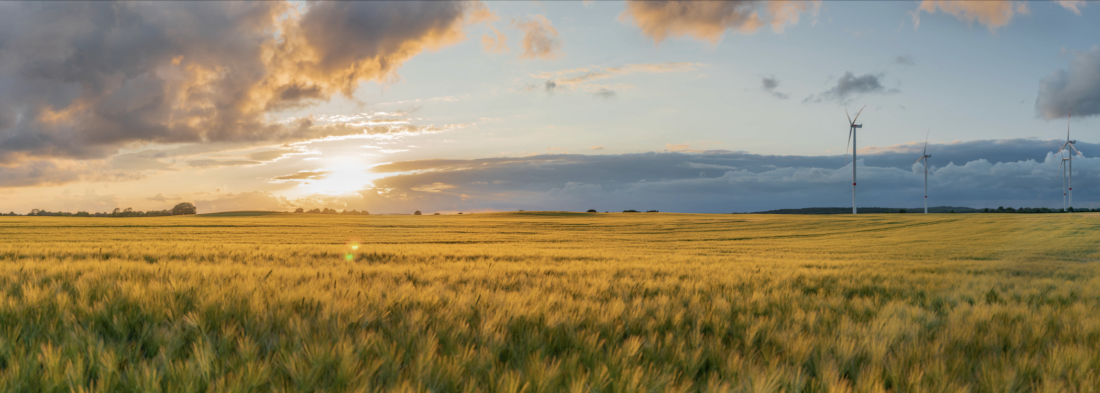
<point>333,211</point>
<point>1002,209</point>
<point>180,209</point>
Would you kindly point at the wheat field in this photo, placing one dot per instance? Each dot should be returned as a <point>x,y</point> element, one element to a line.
<point>544,302</point>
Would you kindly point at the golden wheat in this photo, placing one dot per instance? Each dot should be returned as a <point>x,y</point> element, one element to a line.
<point>551,302</point>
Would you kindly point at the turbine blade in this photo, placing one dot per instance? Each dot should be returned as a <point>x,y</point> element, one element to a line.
<point>926,141</point>
<point>857,114</point>
<point>849,143</point>
<point>849,116</point>
<point>918,160</point>
<point>1068,119</point>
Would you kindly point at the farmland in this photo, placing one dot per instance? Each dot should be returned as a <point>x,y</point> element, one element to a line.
<point>551,302</point>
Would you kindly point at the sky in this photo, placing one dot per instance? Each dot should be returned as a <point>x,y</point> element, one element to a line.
<point>460,106</point>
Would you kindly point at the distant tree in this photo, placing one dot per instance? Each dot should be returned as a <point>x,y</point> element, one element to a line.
<point>630,211</point>
<point>651,211</point>
<point>34,212</point>
<point>986,210</point>
<point>592,211</point>
<point>1000,209</point>
<point>416,213</point>
<point>952,210</point>
<point>459,212</point>
<point>436,214</point>
<point>901,211</point>
<point>299,210</point>
<point>329,211</point>
<point>314,211</point>
<point>184,208</point>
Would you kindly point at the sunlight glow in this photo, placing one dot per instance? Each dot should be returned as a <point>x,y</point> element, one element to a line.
<point>346,175</point>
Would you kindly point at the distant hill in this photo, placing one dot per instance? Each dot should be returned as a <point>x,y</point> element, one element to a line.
<point>871,210</point>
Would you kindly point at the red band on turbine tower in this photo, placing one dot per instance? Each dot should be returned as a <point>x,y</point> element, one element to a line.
<point>853,184</point>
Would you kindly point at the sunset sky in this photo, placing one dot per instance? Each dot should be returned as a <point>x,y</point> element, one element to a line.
<point>489,106</point>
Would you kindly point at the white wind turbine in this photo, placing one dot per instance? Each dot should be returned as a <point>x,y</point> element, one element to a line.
<point>852,126</point>
<point>924,157</point>
<point>1069,149</point>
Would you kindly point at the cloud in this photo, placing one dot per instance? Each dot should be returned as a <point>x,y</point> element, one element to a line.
<point>904,60</point>
<point>596,72</point>
<point>1072,5</point>
<point>434,187</point>
<point>598,147</point>
<point>304,175</point>
<point>991,13</point>
<point>81,80</point>
<point>244,201</point>
<point>161,198</point>
<point>45,172</point>
<point>850,86</point>
<point>988,173</point>
<point>604,93</point>
<point>709,20</point>
<point>540,38</point>
<point>1077,88</point>
<point>497,43</point>
<point>769,84</point>
<point>581,78</point>
<point>273,155</point>
<point>220,163</point>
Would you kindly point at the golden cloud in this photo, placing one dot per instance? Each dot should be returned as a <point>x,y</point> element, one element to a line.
<point>991,13</point>
<point>709,20</point>
<point>540,38</point>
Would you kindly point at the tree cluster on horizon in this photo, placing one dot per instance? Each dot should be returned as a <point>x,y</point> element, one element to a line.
<point>332,211</point>
<point>180,209</point>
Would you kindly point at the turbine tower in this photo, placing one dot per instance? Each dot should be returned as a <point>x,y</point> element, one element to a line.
<point>1062,168</point>
<point>852,126</point>
<point>924,156</point>
<point>1069,149</point>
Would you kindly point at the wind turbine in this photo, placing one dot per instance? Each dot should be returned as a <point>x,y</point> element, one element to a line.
<point>852,126</point>
<point>924,156</point>
<point>1069,149</point>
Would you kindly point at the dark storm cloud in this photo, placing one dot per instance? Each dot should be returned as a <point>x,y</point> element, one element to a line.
<point>979,173</point>
<point>78,80</point>
<point>1076,89</point>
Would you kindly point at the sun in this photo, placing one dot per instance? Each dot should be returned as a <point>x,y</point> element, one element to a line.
<point>343,175</point>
